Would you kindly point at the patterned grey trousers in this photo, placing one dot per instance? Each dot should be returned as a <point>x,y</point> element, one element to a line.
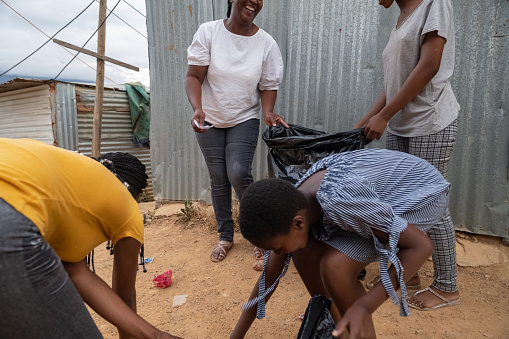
<point>37,297</point>
<point>436,149</point>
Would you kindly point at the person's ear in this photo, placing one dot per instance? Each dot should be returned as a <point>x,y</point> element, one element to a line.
<point>298,221</point>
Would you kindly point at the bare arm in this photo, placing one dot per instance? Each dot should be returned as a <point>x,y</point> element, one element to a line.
<point>424,71</point>
<point>125,264</point>
<point>268,99</point>
<point>194,79</point>
<point>414,249</point>
<point>108,304</point>
<point>375,109</point>
<point>274,268</point>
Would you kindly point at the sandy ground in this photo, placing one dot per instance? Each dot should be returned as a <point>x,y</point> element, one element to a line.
<point>216,291</point>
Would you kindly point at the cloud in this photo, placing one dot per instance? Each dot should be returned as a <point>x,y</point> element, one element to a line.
<point>19,39</point>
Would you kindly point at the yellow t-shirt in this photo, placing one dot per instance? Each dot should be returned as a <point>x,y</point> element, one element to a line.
<point>76,202</point>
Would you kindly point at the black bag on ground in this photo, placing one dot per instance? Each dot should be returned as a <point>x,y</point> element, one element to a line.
<point>292,151</point>
<point>317,322</point>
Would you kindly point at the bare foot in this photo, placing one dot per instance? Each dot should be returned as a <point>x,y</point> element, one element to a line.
<point>258,265</point>
<point>259,253</point>
<point>430,299</point>
<point>414,283</point>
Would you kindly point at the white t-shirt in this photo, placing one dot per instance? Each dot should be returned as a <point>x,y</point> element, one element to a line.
<point>239,67</point>
<point>436,106</point>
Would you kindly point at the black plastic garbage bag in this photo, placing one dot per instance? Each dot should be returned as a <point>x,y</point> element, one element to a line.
<point>292,151</point>
<point>317,322</point>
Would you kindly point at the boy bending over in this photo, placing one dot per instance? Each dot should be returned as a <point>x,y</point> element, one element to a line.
<point>348,210</point>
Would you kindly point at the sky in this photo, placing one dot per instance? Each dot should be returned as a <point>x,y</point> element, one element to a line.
<point>19,38</point>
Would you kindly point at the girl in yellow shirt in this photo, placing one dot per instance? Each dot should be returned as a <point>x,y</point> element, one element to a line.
<point>55,207</point>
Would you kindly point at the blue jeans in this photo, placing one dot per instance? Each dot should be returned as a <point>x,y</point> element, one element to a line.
<point>37,298</point>
<point>229,153</point>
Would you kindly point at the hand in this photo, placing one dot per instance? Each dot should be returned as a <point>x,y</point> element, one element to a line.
<point>359,125</point>
<point>199,116</point>
<point>375,127</point>
<point>359,322</point>
<point>272,119</point>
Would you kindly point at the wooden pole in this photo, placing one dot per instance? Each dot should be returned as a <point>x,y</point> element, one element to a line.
<point>99,82</point>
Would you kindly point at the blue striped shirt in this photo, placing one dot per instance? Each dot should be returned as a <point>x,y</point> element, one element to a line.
<point>379,189</point>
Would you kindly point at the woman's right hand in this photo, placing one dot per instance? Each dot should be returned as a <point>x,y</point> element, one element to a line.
<point>198,116</point>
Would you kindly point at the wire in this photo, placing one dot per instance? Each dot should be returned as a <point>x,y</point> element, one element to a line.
<point>143,15</point>
<point>127,23</point>
<point>65,49</point>
<point>41,32</point>
<point>86,42</point>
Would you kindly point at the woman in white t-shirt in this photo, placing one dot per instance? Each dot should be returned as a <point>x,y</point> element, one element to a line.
<point>235,69</point>
<point>420,112</point>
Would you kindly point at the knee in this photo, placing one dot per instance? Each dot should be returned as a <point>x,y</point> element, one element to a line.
<point>218,177</point>
<point>336,266</point>
<point>428,246</point>
<point>239,175</point>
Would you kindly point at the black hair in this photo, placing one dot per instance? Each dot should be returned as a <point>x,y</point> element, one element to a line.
<point>131,172</point>
<point>128,169</point>
<point>229,12</point>
<point>267,209</point>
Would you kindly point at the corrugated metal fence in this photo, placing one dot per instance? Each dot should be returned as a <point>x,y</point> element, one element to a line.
<point>332,54</point>
<point>116,128</point>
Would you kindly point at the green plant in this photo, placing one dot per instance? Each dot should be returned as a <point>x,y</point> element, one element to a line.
<point>187,211</point>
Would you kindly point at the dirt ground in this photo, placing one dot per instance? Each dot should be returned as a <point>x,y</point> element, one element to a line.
<point>216,291</point>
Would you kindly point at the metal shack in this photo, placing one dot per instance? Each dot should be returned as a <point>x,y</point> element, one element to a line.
<point>61,114</point>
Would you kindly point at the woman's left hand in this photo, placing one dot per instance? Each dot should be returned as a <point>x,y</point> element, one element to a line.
<point>272,119</point>
<point>359,322</point>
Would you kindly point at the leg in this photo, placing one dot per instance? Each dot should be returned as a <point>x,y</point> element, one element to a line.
<point>401,144</point>
<point>240,147</point>
<point>396,143</point>
<point>37,297</point>
<point>213,144</point>
<point>307,262</point>
<point>436,149</point>
<point>342,285</point>
<point>241,143</point>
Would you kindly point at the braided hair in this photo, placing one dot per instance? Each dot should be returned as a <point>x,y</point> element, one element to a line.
<point>131,172</point>
<point>229,8</point>
<point>128,169</point>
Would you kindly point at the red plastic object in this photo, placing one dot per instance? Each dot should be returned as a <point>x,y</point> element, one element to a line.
<point>162,280</point>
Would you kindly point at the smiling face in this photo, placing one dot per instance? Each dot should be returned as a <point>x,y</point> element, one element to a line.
<point>247,10</point>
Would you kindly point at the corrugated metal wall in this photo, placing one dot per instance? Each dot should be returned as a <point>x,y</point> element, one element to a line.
<point>65,114</point>
<point>332,53</point>
<point>19,107</point>
<point>116,131</point>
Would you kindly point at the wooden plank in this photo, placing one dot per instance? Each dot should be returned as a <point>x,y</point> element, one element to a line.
<point>94,54</point>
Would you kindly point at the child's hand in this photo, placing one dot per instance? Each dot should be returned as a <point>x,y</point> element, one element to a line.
<point>359,322</point>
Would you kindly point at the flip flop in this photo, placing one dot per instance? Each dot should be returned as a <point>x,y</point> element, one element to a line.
<point>446,302</point>
<point>224,248</point>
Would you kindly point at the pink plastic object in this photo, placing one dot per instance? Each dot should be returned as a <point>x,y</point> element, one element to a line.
<point>162,280</point>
